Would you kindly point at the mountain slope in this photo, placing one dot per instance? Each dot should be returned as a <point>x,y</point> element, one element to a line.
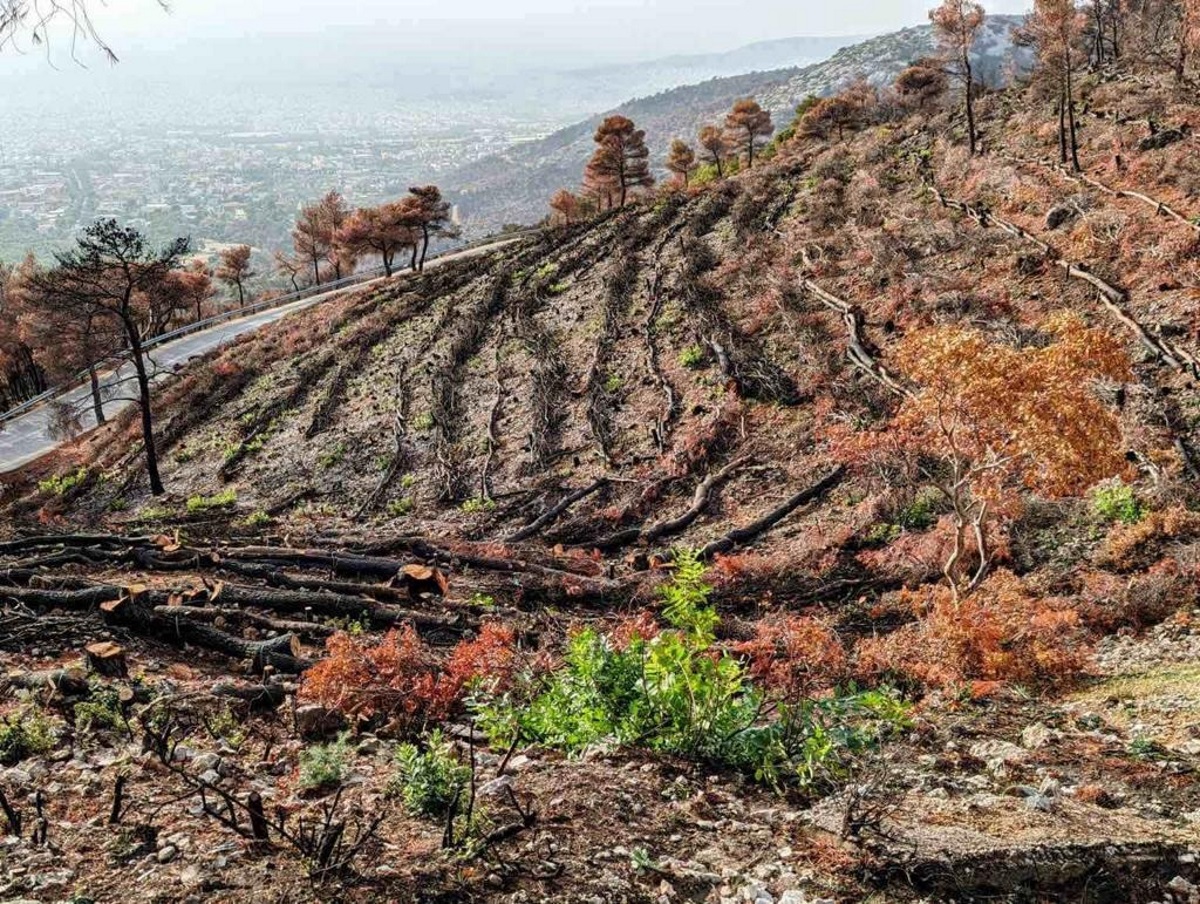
<point>511,187</point>
<point>549,424</point>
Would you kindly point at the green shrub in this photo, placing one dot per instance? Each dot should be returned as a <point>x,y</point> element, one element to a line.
<point>922,512</point>
<point>101,711</point>
<point>398,508</point>
<point>1116,502</point>
<point>429,780</point>
<point>60,484</point>
<point>881,533</point>
<point>423,422</point>
<point>325,765</point>
<point>613,383</point>
<point>677,692</point>
<point>692,357</point>
<point>333,456</point>
<point>478,504</point>
<point>482,600</point>
<point>224,499</point>
<point>257,519</point>
<point>26,734</point>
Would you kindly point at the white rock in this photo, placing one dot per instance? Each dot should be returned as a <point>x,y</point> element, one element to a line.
<point>167,854</point>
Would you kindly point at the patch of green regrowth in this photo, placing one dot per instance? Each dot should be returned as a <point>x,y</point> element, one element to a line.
<point>1116,501</point>
<point>478,504</point>
<point>398,508</point>
<point>429,779</point>
<point>102,711</point>
<point>26,734</point>
<point>325,765</point>
<point>692,357</point>
<point>681,693</point>
<point>61,484</point>
<point>227,498</point>
<point>333,457</point>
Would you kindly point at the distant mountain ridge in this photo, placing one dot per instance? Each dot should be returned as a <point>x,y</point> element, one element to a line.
<point>514,185</point>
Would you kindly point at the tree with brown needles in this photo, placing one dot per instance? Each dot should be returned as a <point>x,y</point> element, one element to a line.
<point>565,205</point>
<point>621,156</point>
<point>712,139</point>
<point>234,268</point>
<point>747,122</point>
<point>105,277</point>
<point>990,421</point>
<point>291,267</point>
<point>385,230</point>
<point>432,215</point>
<point>313,234</point>
<point>681,160</point>
<point>22,374</point>
<point>956,25</point>
<point>1052,29</point>
<point>922,83</point>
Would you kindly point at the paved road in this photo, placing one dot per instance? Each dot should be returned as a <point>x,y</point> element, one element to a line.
<point>26,438</point>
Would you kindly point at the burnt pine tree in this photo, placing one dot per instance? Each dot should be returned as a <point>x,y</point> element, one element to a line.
<point>1053,31</point>
<point>104,276</point>
<point>681,160</point>
<point>234,268</point>
<point>747,122</point>
<point>622,156</point>
<point>956,25</point>
<point>432,215</point>
<point>716,145</point>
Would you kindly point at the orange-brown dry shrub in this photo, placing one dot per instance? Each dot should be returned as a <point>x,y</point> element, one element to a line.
<point>490,660</point>
<point>795,657</point>
<point>400,677</point>
<point>1001,632</point>
<point>643,626</point>
<point>396,677</point>
<point>1110,601</point>
<point>1130,547</point>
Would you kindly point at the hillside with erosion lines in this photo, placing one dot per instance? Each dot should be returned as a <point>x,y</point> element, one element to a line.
<point>828,531</point>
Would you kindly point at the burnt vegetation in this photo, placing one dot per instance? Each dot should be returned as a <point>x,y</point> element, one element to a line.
<point>839,476</point>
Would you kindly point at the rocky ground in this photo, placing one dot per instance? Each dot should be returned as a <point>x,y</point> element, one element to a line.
<point>1087,794</point>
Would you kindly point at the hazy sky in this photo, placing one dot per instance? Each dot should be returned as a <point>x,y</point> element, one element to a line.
<point>554,31</point>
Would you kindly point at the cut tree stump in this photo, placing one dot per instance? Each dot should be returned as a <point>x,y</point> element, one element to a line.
<point>107,658</point>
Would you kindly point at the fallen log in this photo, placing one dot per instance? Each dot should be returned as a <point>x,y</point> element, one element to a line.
<point>70,540</point>
<point>555,511</point>
<point>857,351</point>
<point>1112,297</point>
<point>1160,207</point>
<point>259,696</point>
<point>741,535</point>
<point>647,534</point>
<point>60,682</point>
<point>222,616</point>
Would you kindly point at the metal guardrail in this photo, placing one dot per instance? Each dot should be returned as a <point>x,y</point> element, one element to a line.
<point>250,310</point>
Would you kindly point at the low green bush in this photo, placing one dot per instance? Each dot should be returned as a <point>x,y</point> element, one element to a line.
<point>691,357</point>
<point>678,692</point>
<point>224,499</point>
<point>429,780</point>
<point>325,765</point>
<point>1116,502</point>
<point>26,734</point>
<point>60,484</point>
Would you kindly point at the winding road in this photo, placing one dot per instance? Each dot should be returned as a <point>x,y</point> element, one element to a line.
<point>28,436</point>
